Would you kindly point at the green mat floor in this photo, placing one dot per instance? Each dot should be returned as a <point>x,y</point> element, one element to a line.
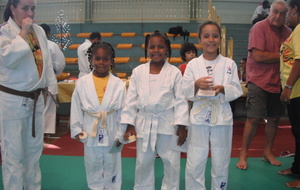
<point>67,173</point>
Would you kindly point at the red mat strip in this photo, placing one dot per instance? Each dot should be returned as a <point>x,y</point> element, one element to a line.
<point>284,142</point>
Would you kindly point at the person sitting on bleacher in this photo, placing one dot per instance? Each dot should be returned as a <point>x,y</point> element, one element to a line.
<point>188,52</point>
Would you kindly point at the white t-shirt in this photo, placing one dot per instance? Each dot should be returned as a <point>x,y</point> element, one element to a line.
<point>260,10</point>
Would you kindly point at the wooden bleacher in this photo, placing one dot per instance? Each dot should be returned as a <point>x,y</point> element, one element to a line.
<point>128,46</point>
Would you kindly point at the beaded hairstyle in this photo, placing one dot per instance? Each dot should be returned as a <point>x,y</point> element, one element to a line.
<point>95,46</point>
<point>158,33</point>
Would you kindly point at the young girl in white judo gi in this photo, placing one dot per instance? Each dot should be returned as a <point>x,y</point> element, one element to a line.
<point>95,110</point>
<point>211,116</point>
<point>155,110</point>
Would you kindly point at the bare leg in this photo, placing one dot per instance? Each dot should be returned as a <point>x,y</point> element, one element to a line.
<point>249,132</point>
<point>271,131</point>
<point>293,184</point>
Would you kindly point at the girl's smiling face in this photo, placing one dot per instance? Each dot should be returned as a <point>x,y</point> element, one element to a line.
<point>210,40</point>
<point>101,60</point>
<point>157,49</point>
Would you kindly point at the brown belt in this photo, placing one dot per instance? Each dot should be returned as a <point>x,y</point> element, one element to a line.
<point>33,95</point>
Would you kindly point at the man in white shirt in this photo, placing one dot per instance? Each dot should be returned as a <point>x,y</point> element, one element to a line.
<point>261,12</point>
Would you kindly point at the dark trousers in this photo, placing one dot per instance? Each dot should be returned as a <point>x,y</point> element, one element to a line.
<point>294,115</point>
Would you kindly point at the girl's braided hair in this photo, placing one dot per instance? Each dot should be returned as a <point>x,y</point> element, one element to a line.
<point>164,36</point>
<point>96,45</point>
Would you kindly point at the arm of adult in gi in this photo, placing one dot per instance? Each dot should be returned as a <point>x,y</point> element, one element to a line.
<point>12,50</point>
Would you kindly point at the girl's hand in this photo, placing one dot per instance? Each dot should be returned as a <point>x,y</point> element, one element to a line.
<point>182,134</point>
<point>204,82</point>
<point>129,132</point>
<point>118,144</point>
<point>285,95</point>
<point>218,89</point>
<point>77,136</point>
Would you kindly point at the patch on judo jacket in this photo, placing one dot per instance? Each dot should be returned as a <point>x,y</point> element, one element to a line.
<point>223,185</point>
<point>113,180</point>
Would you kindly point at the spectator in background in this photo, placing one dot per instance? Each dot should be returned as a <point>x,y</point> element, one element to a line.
<point>188,52</point>
<point>83,62</point>
<point>58,63</point>
<point>242,70</point>
<point>263,80</point>
<point>261,12</point>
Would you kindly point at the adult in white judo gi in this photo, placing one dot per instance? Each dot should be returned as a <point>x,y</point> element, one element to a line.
<point>58,63</point>
<point>97,115</point>
<point>83,62</point>
<point>25,69</point>
<point>211,116</point>
<point>155,110</point>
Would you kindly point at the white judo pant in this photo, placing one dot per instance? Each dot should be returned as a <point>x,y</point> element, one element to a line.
<point>50,115</point>
<point>144,171</point>
<point>202,138</point>
<point>21,153</point>
<point>103,170</point>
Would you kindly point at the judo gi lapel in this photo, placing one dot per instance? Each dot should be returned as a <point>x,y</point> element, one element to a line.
<point>108,93</point>
<point>92,97</point>
<point>219,70</point>
<point>145,83</point>
<point>201,68</point>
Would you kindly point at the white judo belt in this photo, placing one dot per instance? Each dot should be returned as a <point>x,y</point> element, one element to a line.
<point>151,128</point>
<point>101,115</point>
<point>214,110</point>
